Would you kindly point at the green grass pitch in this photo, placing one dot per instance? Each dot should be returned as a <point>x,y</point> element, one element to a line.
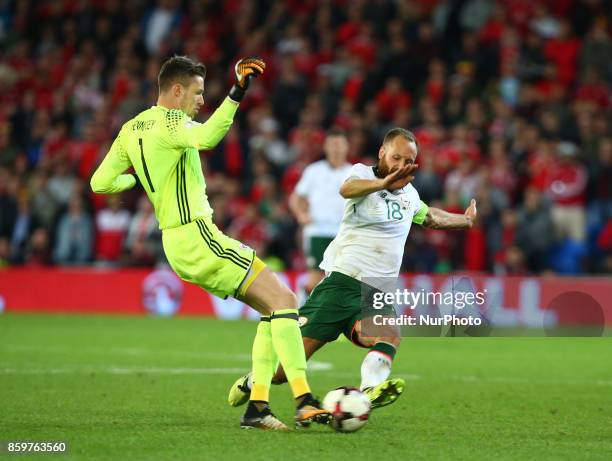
<point>138,388</point>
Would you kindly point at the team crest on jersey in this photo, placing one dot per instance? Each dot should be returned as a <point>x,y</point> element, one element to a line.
<point>405,201</point>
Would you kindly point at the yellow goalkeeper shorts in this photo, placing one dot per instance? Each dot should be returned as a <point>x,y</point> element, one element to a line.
<point>200,253</point>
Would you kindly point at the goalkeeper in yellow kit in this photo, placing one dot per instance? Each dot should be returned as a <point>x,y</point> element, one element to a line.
<point>162,144</point>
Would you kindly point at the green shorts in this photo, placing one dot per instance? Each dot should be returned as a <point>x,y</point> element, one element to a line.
<point>334,307</point>
<point>315,247</point>
<point>200,253</point>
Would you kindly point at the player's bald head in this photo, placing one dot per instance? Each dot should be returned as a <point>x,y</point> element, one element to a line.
<point>179,69</point>
<point>402,133</point>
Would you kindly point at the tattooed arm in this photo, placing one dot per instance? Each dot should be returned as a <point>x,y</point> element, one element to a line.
<point>440,219</point>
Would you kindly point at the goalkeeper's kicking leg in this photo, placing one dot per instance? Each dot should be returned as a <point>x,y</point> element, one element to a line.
<point>278,338</point>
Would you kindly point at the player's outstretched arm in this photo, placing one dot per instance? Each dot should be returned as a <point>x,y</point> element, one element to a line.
<point>353,188</point>
<point>440,219</point>
<point>108,177</point>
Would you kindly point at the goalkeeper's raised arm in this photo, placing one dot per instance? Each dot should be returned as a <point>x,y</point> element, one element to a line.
<point>162,142</point>
<point>158,136</point>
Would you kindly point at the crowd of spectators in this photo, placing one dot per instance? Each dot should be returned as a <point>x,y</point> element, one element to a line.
<point>510,102</point>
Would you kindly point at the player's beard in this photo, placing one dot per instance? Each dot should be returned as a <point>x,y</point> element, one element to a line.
<point>382,168</point>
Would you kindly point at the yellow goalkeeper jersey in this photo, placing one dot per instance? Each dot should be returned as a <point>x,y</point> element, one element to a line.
<point>162,145</point>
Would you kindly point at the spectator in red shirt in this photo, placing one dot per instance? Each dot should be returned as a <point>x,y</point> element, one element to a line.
<point>460,146</point>
<point>567,189</point>
<point>493,29</point>
<point>250,228</point>
<point>592,89</point>
<point>436,82</point>
<point>142,243</point>
<point>604,243</point>
<point>112,224</point>
<point>84,152</point>
<point>540,163</point>
<point>563,52</point>
<point>392,97</point>
<point>363,45</point>
<point>350,28</point>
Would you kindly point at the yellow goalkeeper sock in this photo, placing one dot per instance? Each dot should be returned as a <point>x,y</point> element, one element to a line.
<point>265,361</point>
<point>289,347</point>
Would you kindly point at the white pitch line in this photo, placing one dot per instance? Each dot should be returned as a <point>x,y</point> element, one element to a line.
<point>126,370</point>
<point>121,370</point>
<point>131,351</point>
<point>313,365</point>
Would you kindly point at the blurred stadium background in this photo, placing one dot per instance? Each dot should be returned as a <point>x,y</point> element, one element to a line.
<point>510,102</point>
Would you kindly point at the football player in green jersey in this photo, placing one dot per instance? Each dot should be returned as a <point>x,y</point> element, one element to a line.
<point>162,144</point>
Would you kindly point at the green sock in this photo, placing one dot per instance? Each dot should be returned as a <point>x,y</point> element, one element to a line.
<point>265,361</point>
<point>289,347</point>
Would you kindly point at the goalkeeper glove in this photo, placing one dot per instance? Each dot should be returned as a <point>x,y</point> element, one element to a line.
<point>245,69</point>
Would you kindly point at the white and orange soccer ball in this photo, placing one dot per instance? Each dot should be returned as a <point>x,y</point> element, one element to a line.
<point>350,408</point>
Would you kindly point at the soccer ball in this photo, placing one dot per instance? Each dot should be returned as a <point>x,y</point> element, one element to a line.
<point>350,408</point>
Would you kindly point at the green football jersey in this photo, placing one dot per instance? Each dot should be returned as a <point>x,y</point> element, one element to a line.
<point>162,145</point>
